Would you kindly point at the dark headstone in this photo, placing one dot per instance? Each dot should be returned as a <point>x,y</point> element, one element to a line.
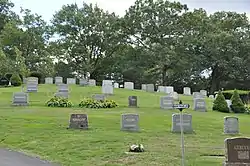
<point>237,152</point>
<point>132,101</point>
<point>79,121</point>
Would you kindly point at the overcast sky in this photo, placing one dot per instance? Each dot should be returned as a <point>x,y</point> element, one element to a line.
<point>47,8</point>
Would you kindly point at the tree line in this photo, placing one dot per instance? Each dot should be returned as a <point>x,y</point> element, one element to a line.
<point>158,42</point>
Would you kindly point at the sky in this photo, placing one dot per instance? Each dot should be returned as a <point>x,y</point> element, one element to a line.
<point>46,8</point>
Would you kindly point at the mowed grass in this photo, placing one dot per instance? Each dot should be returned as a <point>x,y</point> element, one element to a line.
<point>42,131</point>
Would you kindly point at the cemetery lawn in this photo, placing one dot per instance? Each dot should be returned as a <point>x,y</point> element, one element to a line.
<point>42,131</point>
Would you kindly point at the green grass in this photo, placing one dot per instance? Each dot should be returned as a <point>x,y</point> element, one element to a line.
<point>40,130</point>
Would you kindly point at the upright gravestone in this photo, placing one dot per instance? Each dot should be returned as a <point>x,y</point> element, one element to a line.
<point>132,101</point>
<point>129,85</point>
<point>116,85</point>
<point>107,87</point>
<point>237,152</point>
<point>231,125</point>
<point>99,97</point>
<point>83,82</point>
<point>198,95</point>
<point>175,95</point>
<point>48,80</point>
<point>211,96</point>
<point>187,123</point>
<point>130,122</point>
<point>20,99</point>
<point>200,105</point>
<point>169,89</point>
<point>167,102</point>
<point>203,93</point>
<point>92,82</point>
<point>150,88</point>
<point>58,80</point>
<point>187,91</point>
<point>144,87</point>
<point>32,84</point>
<point>161,89</point>
<point>71,81</point>
<point>78,121</point>
<point>63,88</point>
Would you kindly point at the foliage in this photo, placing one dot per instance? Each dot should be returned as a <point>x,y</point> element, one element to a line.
<point>16,80</point>
<point>220,103</point>
<point>237,104</point>
<point>136,148</point>
<point>36,74</point>
<point>91,103</point>
<point>59,102</point>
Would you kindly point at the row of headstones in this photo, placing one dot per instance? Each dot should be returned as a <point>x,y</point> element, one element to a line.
<point>130,122</point>
<point>59,80</point>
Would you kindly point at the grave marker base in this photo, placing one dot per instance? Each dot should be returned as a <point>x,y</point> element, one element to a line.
<point>236,164</point>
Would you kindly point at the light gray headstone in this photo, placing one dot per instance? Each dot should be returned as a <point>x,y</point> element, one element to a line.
<point>48,80</point>
<point>231,125</point>
<point>58,80</point>
<point>167,102</point>
<point>175,95</point>
<point>32,84</point>
<point>198,95</point>
<point>161,89</point>
<point>116,85</point>
<point>83,82</point>
<point>211,96</point>
<point>20,99</point>
<point>62,94</point>
<point>187,91</point>
<point>92,82</point>
<point>129,85</point>
<point>200,105</point>
<point>203,92</point>
<point>143,87</point>
<point>169,89</point>
<point>71,81</point>
<point>107,87</point>
<point>187,123</point>
<point>99,97</point>
<point>130,122</point>
<point>63,88</point>
<point>150,88</point>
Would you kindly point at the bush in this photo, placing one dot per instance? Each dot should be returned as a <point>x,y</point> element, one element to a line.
<point>36,74</point>
<point>220,103</point>
<point>91,103</point>
<point>237,104</point>
<point>15,80</point>
<point>59,102</point>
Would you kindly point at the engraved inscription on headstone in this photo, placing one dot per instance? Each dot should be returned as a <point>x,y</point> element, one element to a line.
<point>200,105</point>
<point>130,122</point>
<point>132,101</point>
<point>187,123</point>
<point>63,88</point>
<point>20,98</point>
<point>231,125</point>
<point>237,152</point>
<point>167,102</point>
<point>99,97</point>
<point>78,121</point>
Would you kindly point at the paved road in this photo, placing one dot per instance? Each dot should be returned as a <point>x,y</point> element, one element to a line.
<point>12,158</point>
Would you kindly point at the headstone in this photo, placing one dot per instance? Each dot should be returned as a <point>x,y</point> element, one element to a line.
<point>175,95</point>
<point>83,82</point>
<point>169,89</point>
<point>198,95</point>
<point>237,152</point>
<point>32,84</point>
<point>130,122</point>
<point>107,87</point>
<point>71,81</point>
<point>48,80</point>
<point>229,103</point>
<point>92,82</point>
<point>211,96</point>
<point>231,125</point>
<point>203,92</point>
<point>187,123</point>
<point>62,94</point>
<point>167,102</point>
<point>200,105</point>
<point>150,88</point>
<point>132,101</point>
<point>161,89</point>
<point>20,98</point>
<point>63,88</point>
<point>187,91</point>
<point>78,121</point>
<point>58,80</point>
<point>143,87</point>
<point>99,97</point>
<point>116,85</point>
<point>129,85</point>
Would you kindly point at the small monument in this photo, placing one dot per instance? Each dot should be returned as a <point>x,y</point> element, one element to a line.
<point>78,121</point>
<point>130,122</point>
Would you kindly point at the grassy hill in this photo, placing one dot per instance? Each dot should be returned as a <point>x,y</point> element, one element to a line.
<point>40,130</point>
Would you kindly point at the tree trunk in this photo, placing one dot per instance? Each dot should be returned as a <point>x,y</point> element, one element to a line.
<point>215,80</point>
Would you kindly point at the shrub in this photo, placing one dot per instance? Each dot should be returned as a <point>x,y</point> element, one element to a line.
<point>4,81</point>
<point>220,103</point>
<point>36,74</point>
<point>237,104</point>
<point>15,80</point>
<point>91,103</point>
<point>59,102</point>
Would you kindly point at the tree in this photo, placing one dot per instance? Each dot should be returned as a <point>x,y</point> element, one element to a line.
<point>220,103</point>
<point>237,104</point>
